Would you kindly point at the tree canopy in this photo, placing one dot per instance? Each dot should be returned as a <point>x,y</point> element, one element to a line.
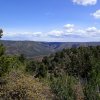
<point>1,33</point>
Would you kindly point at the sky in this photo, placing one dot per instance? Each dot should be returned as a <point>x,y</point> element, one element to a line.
<point>50,20</point>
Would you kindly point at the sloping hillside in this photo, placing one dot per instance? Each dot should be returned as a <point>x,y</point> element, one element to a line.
<point>33,49</point>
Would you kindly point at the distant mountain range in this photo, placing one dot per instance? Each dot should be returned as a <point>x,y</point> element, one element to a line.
<point>33,49</point>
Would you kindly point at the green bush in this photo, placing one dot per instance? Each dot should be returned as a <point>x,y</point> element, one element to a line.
<point>4,65</point>
<point>64,87</point>
<point>31,67</point>
<point>2,49</point>
<point>92,87</point>
<point>41,71</point>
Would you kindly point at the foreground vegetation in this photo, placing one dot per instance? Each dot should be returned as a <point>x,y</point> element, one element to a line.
<point>72,74</point>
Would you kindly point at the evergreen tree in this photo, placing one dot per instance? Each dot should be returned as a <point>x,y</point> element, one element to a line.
<point>1,31</point>
<point>21,58</point>
<point>4,61</point>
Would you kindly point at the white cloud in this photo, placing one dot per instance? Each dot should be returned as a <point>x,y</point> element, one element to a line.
<point>69,32</point>
<point>93,31</point>
<point>69,28</point>
<point>86,32</point>
<point>85,2</point>
<point>37,34</point>
<point>23,33</point>
<point>55,33</point>
<point>96,14</point>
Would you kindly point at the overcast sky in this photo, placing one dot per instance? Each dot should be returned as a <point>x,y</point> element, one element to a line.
<point>50,20</point>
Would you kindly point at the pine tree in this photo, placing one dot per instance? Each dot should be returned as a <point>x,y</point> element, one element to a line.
<point>1,31</point>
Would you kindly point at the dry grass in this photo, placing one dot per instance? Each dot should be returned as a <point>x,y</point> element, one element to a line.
<point>24,87</point>
<point>79,91</point>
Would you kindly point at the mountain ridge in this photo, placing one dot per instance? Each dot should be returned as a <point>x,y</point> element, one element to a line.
<point>35,48</point>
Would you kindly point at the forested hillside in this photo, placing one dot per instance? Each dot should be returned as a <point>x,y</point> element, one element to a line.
<point>32,49</point>
<point>70,74</point>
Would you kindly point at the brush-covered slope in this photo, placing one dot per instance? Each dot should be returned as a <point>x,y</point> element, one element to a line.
<point>32,49</point>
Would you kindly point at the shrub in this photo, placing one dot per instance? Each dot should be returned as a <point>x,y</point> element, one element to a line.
<point>2,49</point>
<point>4,65</point>
<point>24,87</point>
<point>64,88</point>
